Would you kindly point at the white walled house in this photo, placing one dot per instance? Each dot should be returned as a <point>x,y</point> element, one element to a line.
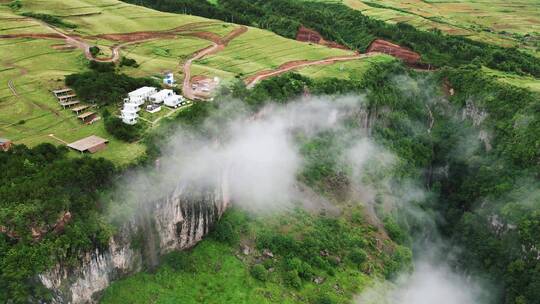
<point>140,95</point>
<point>160,96</point>
<point>168,79</point>
<point>173,101</point>
<point>129,113</point>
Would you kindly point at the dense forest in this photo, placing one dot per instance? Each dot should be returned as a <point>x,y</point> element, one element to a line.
<point>350,27</point>
<point>484,180</point>
<point>49,212</point>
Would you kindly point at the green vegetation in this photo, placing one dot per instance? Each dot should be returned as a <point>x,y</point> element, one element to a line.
<point>128,62</point>
<point>344,25</point>
<point>50,19</point>
<point>94,50</point>
<point>467,185</point>
<point>15,5</point>
<point>503,178</point>
<point>496,22</point>
<point>258,50</point>
<point>105,88</point>
<point>120,130</point>
<point>297,257</point>
<point>38,186</point>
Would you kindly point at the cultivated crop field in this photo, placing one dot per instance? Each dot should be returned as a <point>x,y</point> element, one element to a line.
<point>34,116</point>
<point>259,50</point>
<point>31,64</point>
<point>345,70</point>
<point>496,21</point>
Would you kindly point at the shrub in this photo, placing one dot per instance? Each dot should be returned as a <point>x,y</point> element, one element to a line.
<point>101,67</point>
<point>120,130</point>
<point>128,62</point>
<point>394,231</point>
<point>180,261</point>
<point>15,5</point>
<point>94,50</point>
<point>259,272</point>
<point>103,86</point>
<point>324,299</point>
<point>358,256</point>
<point>292,279</point>
<point>50,19</point>
<point>225,233</point>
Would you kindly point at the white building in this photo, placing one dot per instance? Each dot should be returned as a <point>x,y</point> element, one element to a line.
<point>160,96</point>
<point>168,79</point>
<point>140,95</point>
<point>174,101</point>
<point>129,113</point>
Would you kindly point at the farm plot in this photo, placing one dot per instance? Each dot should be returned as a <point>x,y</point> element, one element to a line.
<point>353,69</point>
<point>500,22</point>
<point>33,68</point>
<point>10,24</point>
<point>519,81</point>
<point>258,50</point>
<point>155,57</point>
<point>95,17</point>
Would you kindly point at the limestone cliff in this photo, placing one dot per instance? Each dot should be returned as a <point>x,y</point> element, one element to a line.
<point>176,222</point>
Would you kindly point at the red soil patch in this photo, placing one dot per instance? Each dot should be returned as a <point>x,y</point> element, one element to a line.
<point>232,35</point>
<point>308,35</point>
<point>383,46</point>
<point>206,36</point>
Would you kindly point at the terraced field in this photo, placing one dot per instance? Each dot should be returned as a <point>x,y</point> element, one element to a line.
<point>258,50</point>
<point>501,22</point>
<point>36,56</point>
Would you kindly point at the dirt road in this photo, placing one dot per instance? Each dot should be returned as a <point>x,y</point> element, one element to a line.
<point>293,65</point>
<point>217,46</point>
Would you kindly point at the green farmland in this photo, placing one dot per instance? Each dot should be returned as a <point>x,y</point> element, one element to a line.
<point>259,50</point>
<point>34,66</point>
<point>506,23</point>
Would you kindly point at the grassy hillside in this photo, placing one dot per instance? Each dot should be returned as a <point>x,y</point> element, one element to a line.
<point>34,66</point>
<point>222,270</point>
<point>505,23</point>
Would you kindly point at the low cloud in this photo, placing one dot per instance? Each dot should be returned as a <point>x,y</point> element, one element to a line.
<point>430,283</point>
<point>258,155</point>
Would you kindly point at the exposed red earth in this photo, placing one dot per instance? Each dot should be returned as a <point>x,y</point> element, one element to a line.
<point>408,56</point>
<point>385,47</point>
<point>218,45</point>
<point>308,35</point>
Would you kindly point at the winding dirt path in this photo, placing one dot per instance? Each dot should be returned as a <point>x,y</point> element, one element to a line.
<point>217,46</point>
<point>293,65</point>
<point>124,39</point>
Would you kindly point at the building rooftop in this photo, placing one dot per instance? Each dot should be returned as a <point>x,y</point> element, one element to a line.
<point>162,94</point>
<point>92,144</point>
<point>142,91</point>
<point>4,140</point>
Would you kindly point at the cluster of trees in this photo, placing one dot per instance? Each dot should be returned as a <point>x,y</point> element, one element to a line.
<point>117,128</point>
<point>313,246</point>
<point>350,27</point>
<point>37,187</point>
<point>50,19</point>
<point>103,86</point>
<point>490,205</point>
<point>480,184</point>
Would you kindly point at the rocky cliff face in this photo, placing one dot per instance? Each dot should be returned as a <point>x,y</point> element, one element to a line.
<point>175,222</point>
